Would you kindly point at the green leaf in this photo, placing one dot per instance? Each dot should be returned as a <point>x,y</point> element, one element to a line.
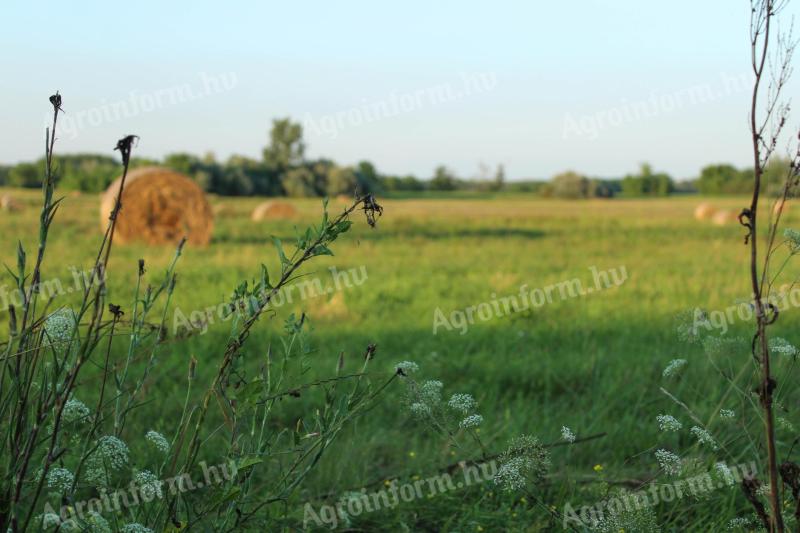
<point>248,462</point>
<point>284,260</point>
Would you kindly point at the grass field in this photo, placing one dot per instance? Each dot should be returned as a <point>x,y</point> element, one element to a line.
<point>592,362</point>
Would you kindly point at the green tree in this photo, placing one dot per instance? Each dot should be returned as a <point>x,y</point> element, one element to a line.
<point>647,183</point>
<point>26,175</point>
<point>571,185</point>
<point>443,180</point>
<point>368,178</point>
<point>300,182</point>
<point>286,148</point>
<point>341,180</point>
<point>499,178</point>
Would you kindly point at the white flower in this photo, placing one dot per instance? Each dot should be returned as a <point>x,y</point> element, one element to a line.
<point>407,367</point>
<point>669,462</point>
<point>75,411</point>
<point>419,409</point>
<point>674,367</point>
<point>463,403</point>
<point>50,520</point>
<point>60,325</point>
<point>472,421</point>
<point>158,440</point>
<point>60,479</point>
<point>704,437</point>
<point>727,413</point>
<point>784,424</point>
<point>525,460</point>
<point>430,392</point>
<point>668,423</point>
<point>725,473</point>
<point>135,528</point>
<point>110,454</point>
<point>763,489</point>
<point>567,434</point>
<point>793,238</point>
<point>781,346</point>
<point>149,484</point>
<point>97,524</point>
<point>740,523</point>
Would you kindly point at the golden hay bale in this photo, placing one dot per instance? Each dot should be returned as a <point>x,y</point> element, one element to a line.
<point>9,203</point>
<point>273,210</point>
<point>704,211</point>
<point>723,217</point>
<point>345,199</point>
<point>159,206</point>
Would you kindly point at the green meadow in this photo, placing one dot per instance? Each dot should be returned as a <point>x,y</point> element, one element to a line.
<point>591,362</point>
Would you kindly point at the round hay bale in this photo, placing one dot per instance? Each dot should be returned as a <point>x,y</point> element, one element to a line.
<point>704,211</point>
<point>345,199</point>
<point>159,206</point>
<point>273,210</point>
<point>9,204</point>
<point>721,218</point>
<point>780,204</point>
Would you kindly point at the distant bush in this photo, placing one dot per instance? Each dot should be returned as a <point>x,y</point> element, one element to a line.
<point>647,183</point>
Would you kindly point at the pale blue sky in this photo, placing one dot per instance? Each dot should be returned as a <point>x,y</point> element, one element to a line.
<point>592,85</point>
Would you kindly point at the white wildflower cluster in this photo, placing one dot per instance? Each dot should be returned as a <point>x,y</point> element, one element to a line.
<point>471,422</point>
<point>704,437</point>
<point>408,367</point>
<point>792,239</point>
<point>781,346</point>
<point>60,326</point>
<point>741,524</point>
<point>111,454</point>
<point>763,490</point>
<point>722,346</point>
<point>674,367</point>
<point>784,424</point>
<point>135,528</point>
<point>96,523</point>
<point>567,434</point>
<point>60,479</point>
<point>431,392</point>
<point>149,484</point>
<point>157,440</point>
<point>725,473</point>
<point>669,462</point>
<point>419,409</point>
<point>686,325</point>
<point>668,423</point>
<point>462,403</point>
<point>49,520</point>
<point>425,399</point>
<point>728,414</point>
<point>627,519</point>
<point>525,461</point>
<point>75,411</point>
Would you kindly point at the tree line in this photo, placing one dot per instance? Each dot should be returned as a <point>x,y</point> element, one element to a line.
<point>284,170</point>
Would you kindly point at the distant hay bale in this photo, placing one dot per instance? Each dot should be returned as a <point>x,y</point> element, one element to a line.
<point>721,218</point>
<point>273,210</point>
<point>344,199</point>
<point>704,211</point>
<point>9,204</point>
<point>780,204</point>
<point>159,206</point>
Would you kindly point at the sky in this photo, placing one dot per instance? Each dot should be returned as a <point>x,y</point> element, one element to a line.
<point>596,86</point>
